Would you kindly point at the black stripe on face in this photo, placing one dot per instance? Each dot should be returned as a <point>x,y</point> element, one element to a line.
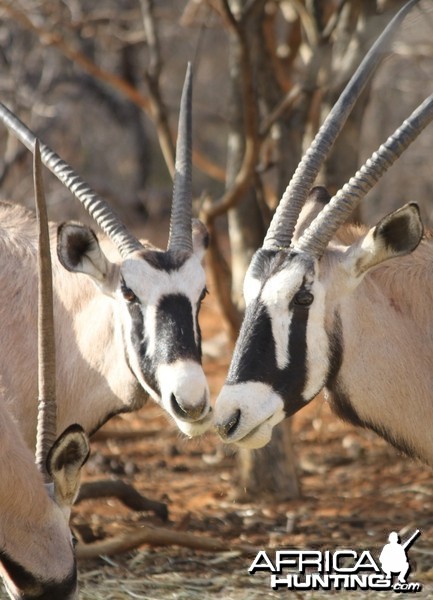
<point>139,343</point>
<point>175,330</point>
<point>172,260</point>
<point>254,357</point>
<point>174,335</point>
<point>35,588</point>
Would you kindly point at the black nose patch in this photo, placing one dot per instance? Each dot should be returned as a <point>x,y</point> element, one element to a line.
<point>175,330</point>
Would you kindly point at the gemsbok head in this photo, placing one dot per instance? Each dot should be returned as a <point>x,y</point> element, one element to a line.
<point>125,329</point>
<point>326,308</point>
<point>37,559</point>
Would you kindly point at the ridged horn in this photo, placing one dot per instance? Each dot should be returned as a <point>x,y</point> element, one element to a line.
<point>180,237</point>
<point>315,239</point>
<point>96,206</point>
<point>47,408</point>
<point>283,224</point>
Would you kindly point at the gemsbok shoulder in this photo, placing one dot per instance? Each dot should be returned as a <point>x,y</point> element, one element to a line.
<point>125,329</point>
<point>327,309</point>
<point>37,558</point>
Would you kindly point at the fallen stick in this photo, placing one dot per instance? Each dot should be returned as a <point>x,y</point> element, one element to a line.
<point>157,536</point>
<point>126,493</point>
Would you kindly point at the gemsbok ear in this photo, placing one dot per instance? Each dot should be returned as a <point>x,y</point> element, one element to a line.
<point>316,200</point>
<point>200,238</point>
<point>64,461</point>
<point>397,234</point>
<point>79,251</point>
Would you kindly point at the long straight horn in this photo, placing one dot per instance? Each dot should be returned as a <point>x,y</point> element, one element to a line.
<point>315,239</point>
<point>281,229</point>
<point>180,237</point>
<point>98,209</point>
<point>47,409</point>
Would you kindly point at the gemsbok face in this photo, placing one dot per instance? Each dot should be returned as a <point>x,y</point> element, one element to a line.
<point>156,298</point>
<point>125,328</point>
<point>324,308</point>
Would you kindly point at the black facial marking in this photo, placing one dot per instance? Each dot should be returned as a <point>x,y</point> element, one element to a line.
<point>165,261</point>
<point>254,357</point>
<point>264,262</point>
<point>139,343</point>
<point>175,331</point>
<point>34,588</point>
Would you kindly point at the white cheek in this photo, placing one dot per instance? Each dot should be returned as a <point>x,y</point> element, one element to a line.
<point>251,289</point>
<point>276,297</point>
<point>280,321</point>
<point>149,320</point>
<point>317,345</point>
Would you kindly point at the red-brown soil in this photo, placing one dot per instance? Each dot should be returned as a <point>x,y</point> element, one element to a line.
<point>355,490</point>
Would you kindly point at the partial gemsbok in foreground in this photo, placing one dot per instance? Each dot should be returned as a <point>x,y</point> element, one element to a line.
<point>124,329</point>
<point>324,309</point>
<point>37,558</point>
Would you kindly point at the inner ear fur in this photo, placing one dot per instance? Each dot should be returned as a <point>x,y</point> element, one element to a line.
<point>397,234</point>
<point>79,251</point>
<point>64,462</point>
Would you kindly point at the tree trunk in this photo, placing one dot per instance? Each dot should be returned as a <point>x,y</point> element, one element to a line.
<point>271,470</point>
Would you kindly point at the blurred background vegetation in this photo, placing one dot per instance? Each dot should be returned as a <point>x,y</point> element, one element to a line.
<point>100,83</point>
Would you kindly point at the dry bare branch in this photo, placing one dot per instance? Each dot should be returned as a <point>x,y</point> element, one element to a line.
<point>127,494</point>
<point>157,536</point>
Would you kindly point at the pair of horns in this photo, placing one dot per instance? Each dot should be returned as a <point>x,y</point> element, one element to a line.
<point>283,224</point>
<point>180,224</point>
<point>320,232</point>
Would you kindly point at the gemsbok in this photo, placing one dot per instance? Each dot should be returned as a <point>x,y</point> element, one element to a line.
<point>124,329</point>
<point>325,311</point>
<point>37,557</point>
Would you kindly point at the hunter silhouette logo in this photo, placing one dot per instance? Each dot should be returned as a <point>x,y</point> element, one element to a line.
<point>393,556</point>
<point>342,569</point>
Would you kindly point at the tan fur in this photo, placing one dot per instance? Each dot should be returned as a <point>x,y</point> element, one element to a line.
<point>387,337</point>
<point>85,344</point>
<point>33,529</point>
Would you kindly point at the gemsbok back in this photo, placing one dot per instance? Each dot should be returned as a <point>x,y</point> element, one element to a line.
<point>327,309</point>
<point>124,329</point>
<point>37,558</point>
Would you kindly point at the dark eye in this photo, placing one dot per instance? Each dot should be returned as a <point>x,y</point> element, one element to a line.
<point>303,298</point>
<point>127,293</point>
<point>74,542</point>
<point>203,295</point>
